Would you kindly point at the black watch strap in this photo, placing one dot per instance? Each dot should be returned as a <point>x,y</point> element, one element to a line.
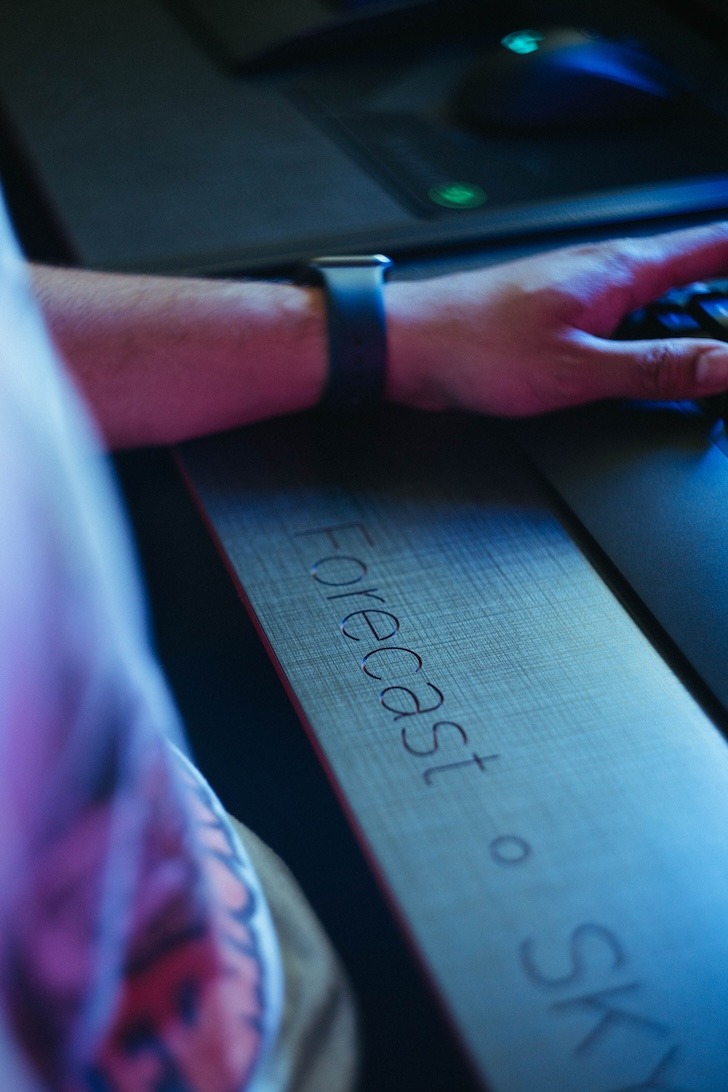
<point>357,338</point>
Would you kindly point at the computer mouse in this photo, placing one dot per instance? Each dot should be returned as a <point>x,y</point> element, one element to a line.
<point>562,78</point>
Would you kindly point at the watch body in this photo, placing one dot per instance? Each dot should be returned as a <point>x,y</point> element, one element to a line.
<point>357,340</point>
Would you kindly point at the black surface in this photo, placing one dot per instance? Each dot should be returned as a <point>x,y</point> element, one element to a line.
<point>265,34</point>
<point>34,224</point>
<point>650,485</point>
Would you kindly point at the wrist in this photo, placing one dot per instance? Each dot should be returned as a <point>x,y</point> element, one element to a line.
<point>417,345</point>
<point>278,343</point>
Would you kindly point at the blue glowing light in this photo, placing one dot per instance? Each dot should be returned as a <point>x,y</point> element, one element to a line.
<point>523,41</point>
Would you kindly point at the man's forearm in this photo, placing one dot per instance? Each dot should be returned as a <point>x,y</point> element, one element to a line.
<point>160,359</point>
<point>164,359</point>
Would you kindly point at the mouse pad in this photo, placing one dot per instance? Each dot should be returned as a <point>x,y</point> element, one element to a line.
<point>543,802</point>
<point>399,121</point>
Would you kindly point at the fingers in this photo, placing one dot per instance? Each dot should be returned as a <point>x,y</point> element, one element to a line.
<point>668,369</point>
<point>660,262</point>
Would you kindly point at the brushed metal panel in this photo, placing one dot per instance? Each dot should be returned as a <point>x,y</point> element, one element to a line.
<point>543,800</point>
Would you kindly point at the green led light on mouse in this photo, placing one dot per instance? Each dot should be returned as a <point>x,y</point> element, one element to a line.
<point>523,41</point>
<point>458,195</point>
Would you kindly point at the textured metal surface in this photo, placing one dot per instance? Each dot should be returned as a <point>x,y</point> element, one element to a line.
<point>544,802</point>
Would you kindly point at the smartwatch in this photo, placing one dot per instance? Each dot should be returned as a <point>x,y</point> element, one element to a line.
<point>357,341</point>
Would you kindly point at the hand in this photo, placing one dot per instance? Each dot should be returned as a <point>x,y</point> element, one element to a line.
<point>533,335</point>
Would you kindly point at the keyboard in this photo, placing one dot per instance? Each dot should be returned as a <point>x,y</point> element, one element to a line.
<point>699,309</point>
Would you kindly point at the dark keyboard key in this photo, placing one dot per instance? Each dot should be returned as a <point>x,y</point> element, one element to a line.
<point>673,322</point>
<point>711,313</point>
<point>660,320</point>
<point>694,310</point>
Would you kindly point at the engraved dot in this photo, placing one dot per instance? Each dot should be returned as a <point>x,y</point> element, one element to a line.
<point>510,850</point>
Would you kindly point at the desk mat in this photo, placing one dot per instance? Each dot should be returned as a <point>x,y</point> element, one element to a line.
<point>543,802</point>
<point>150,156</point>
